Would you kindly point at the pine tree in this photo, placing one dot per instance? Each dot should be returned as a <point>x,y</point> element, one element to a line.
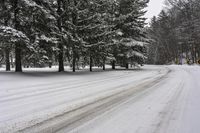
<point>5,16</point>
<point>129,31</point>
<point>177,32</point>
<point>88,32</point>
<point>90,29</point>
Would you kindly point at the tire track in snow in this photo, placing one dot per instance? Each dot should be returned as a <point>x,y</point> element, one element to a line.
<point>63,102</point>
<point>125,90</point>
<point>39,100</point>
<point>50,86</point>
<point>52,89</point>
<point>171,118</point>
<point>96,107</point>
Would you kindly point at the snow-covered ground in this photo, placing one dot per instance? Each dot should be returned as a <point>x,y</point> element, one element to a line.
<point>154,99</point>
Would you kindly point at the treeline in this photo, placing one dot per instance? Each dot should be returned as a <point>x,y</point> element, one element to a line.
<point>37,33</point>
<point>175,33</point>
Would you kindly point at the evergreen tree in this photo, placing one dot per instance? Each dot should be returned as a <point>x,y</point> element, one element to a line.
<point>89,32</point>
<point>130,36</point>
<point>177,32</point>
<point>4,19</point>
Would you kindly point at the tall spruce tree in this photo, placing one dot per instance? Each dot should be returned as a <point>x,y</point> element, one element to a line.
<point>130,29</point>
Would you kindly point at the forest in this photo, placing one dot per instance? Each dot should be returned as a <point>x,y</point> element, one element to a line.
<point>45,33</point>
<point>99,66</point>
<point>175,33</point>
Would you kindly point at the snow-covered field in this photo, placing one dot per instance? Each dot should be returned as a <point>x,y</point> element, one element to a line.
<point>154,99</point>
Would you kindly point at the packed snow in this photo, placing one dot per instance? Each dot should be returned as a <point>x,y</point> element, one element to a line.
<point>153,99</point>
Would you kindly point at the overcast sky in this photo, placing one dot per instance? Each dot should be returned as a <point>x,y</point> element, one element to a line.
<point>154,8</point>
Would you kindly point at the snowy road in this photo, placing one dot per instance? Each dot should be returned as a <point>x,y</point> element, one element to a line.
<point>152,100</point>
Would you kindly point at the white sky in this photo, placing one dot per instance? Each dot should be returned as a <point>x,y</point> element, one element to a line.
<point>154,8</point>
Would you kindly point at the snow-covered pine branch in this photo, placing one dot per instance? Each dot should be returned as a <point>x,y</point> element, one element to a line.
<point>8,34</point>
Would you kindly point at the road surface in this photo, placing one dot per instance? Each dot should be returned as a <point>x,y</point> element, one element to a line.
<point>154,99</point>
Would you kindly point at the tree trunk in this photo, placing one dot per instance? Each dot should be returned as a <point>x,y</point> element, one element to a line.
<point>91,62</point>
<point>113,64</point>
<point>127,66</point>
<point>104,68</point>
<point>59,23</point>
<point>12,62</point>
<point>7,52</point>
<point>195,54</point>
<point>74,62</point>
<point>60,59</point>
<point>18,64</point>
<point>74,21</point>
